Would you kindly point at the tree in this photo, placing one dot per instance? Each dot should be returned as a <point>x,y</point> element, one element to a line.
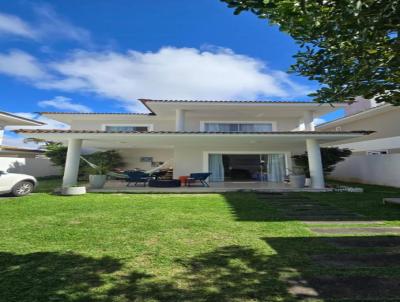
<point>105,160</point>
<point>351,47</point>
<point>329,156</point>
<point>57,153</point>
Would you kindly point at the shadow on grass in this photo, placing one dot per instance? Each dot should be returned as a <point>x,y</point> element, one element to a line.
<point>46,276</point>
<point>226,274</point>
<point>314,206</point>
<point>302,268</point>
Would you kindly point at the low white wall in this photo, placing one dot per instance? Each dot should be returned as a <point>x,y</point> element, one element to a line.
<point>370,169</point>
<point>38,167</point>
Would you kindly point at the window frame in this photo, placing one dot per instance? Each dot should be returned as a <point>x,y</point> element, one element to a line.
<point>273,124</point>
<point>149,126</point>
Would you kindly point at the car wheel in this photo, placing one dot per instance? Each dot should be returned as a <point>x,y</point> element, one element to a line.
<point>22,188</point>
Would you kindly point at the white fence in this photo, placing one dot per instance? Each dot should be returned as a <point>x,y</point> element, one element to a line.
<point>370,169</point>
<point>38,167</point>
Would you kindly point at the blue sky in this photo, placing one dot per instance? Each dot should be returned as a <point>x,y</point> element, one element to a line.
<point>74,55</point>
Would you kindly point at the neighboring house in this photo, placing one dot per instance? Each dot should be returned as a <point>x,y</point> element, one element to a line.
<point>234,140</point>
<point>22,160</point>
<point>376,158</point>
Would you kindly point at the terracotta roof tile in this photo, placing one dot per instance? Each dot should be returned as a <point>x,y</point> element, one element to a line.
<point>96,113</point>
<point>31,131</point>
<point>226,101</point>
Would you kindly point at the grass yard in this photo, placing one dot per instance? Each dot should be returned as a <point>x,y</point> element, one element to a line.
<point>205,247</point>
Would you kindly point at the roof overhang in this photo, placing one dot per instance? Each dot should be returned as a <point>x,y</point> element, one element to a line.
<point>69,117</point>
<point>8,119</point>
<point>9,151</point>
<point>356,116</point>
<point>116,140</point>
<point>252,108</point>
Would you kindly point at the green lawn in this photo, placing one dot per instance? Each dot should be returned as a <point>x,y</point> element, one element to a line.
<point>161,247</point>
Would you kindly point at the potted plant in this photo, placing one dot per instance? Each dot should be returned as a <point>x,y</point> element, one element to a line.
<point>297,177</point>
<point>100,164</point>
<point>98,177</point>
<point>73,190</point>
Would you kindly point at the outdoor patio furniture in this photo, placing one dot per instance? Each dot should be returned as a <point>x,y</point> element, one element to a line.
<point>198,177</point>
<point>183,180</point>
<point>164,183</point>
<point>136,177</point>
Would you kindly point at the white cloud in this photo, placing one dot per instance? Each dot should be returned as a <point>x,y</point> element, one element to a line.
<point>49,25</point>
<point>170,73</point>
<point>13,140</point>
<point>13,25</point>
<point>54,26</point>
<point>318,121</point>
<point>64,103</point>
<point>176,73</point>
<point>20,64</point>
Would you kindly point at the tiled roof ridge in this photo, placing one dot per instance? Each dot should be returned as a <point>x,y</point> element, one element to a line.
<point>186,132</point>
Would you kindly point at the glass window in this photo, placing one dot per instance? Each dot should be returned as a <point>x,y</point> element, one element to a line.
<point>238,127</point>
<point>127,128</point>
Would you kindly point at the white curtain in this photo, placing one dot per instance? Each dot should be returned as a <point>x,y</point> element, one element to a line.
<point>216,167</point>
<point>276,167</point>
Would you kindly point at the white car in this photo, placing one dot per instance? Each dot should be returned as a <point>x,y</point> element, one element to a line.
<point>16,184</point>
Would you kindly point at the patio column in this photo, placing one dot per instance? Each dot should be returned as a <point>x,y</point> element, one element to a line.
<point>180,120</point>
<point>72,162</point>
<point>315,164</point>
<point>308,118</point>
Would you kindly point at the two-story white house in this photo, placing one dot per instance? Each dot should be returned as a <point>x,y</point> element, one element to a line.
<point>234,140</point>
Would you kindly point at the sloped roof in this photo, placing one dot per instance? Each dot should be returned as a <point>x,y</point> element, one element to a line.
<point>10,119</point>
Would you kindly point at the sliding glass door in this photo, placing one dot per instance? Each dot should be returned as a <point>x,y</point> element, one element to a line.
<point>247,167</point>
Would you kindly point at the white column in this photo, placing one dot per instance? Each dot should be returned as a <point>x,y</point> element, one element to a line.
<point>72,163</point>
<point>180,120</point>
<point>315,164</point>
<point>308,118</point>
<point>1,134</point>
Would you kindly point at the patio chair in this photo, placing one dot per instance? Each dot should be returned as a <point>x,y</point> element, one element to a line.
<point>200,177</point>
<point>136,177</point>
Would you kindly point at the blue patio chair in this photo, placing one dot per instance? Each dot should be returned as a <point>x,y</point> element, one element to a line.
<point>201,177</point>
<point>136,177</point>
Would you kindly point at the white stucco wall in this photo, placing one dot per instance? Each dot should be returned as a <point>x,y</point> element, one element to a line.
<point>98,124</point>
<point>132,157</point>
<point>370,169</point>
<point>192,122</point>
<point>38,167</point>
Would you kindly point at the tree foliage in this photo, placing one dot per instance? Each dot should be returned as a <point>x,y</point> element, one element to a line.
<point>105,160</point>
<point>351,47</point>
<point>329,156</point>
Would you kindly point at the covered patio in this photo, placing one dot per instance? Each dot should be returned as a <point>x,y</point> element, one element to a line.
<point>116,186</point>
<point>190,149</point>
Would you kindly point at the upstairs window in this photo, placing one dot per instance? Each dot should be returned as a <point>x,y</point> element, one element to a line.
<point>237,127</point>
<point>127,128</point>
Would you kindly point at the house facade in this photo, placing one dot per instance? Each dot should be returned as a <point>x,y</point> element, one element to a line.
<point>16,159</point>
<point>376,157</point>
<point>234,140</point>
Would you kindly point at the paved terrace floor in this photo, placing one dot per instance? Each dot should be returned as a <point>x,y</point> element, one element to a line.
<point>115,186</point>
